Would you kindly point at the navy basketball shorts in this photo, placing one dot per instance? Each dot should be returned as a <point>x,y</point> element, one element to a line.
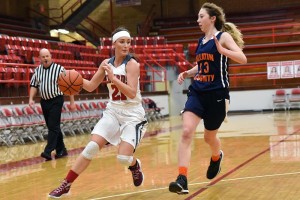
<point>209,105</point>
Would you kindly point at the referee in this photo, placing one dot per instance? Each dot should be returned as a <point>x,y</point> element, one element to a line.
<point>44,80</point>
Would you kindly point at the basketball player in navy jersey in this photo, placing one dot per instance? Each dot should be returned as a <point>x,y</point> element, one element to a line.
<point>208,93</point>
<point>123,123</point>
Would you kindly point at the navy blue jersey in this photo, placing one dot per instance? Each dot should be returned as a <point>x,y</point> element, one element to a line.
<point>212,67</point>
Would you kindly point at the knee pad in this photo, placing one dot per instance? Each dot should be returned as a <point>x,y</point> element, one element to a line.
<point>125,160</point>
<point>90,150</point>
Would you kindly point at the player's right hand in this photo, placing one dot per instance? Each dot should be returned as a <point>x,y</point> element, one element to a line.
<point>181,77</point>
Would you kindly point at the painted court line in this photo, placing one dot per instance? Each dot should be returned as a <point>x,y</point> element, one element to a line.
<point>238,167</point>
<point>220,179</point>
<point>199,183</point>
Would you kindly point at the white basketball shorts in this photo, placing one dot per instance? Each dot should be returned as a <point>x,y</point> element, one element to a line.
<point>122,124</point>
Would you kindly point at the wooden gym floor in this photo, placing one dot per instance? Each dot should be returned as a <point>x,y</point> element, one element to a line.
<point>262,161</point>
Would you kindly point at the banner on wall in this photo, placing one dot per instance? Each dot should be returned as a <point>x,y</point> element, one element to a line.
<point>273,70</point>
<point>297,68</point>
<point>287,69</point>
<point>283,69</point>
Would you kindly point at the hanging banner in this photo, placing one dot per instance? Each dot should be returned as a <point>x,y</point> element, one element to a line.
<point>287,69</point>
<point>273,70</point>
<point>297,68</point>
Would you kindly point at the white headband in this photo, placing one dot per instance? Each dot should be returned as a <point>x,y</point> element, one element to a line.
<point>120,34</point>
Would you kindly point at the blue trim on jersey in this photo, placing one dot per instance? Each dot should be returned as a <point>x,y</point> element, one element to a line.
<point>125,61</point>
<point>212,67</point>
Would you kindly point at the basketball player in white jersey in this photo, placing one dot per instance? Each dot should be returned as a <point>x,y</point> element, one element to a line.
<point>123,123</point>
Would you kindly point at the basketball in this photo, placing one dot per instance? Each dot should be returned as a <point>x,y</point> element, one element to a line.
<point>70,82</point>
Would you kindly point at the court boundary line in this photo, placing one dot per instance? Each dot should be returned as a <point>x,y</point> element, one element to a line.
<point>238,167</point>
<point>199,183</point>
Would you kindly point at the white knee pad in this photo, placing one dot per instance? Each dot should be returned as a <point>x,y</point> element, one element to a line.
<point>125,160</point>
<point>90,150</point>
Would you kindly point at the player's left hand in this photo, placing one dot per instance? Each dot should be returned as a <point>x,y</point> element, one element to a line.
<point>72,107</point>
<point>218,45</point>
<point>109,71</point>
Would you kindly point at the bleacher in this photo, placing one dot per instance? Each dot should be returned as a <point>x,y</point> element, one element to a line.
<point>269,36</point>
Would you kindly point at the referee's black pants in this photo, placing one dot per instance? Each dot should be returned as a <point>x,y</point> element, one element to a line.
<point>52,113</point>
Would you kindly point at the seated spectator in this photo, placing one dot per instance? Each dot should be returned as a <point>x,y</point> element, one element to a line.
<point>153,105</point>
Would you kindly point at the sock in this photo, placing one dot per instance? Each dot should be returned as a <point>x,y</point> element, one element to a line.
<point>71,176</point>
<point>215,158</point>
<point>134,166</point>
<point>182,171</point>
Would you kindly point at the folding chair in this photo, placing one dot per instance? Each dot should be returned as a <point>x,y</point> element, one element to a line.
<point>280,100</point>
<point>294,98</point>
<point>38,123</point>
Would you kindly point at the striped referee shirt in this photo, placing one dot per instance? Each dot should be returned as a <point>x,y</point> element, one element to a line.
<point>45,79</point>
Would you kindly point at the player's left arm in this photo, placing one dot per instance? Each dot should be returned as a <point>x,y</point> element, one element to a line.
<point>72,103</point>
<point>227,47</point>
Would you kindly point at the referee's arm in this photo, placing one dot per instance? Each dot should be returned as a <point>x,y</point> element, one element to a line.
<point>33,91</point>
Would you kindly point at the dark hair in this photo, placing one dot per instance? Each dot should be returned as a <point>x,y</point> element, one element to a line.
<point>120,28</point>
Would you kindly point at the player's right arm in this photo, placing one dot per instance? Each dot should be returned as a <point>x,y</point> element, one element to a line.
<point>189,73</point>
<point>91,85</point>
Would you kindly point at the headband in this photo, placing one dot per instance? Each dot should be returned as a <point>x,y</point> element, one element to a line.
<point>120,34</point>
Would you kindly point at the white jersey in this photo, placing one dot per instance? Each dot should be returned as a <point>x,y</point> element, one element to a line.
<point>123,118</point>
<point>115,96</point>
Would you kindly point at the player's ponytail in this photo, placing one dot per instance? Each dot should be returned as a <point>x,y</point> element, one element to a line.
<point>235,33</point>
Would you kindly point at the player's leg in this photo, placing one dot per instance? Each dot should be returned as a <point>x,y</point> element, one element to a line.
<point>81,163</point>
<point>216,113</point>
<point>214,143</point>
<point>105,128</point>
<point>190,123</point>
<point>126,158</point>
<point>132,131</point>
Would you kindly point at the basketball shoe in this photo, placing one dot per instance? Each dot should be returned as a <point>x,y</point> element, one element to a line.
<point>63,189</point>
<point>180,186</point>
<point>214,167</point>
<point>137,174</point>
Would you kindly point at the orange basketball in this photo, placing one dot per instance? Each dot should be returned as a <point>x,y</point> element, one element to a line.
<point>70,82</point>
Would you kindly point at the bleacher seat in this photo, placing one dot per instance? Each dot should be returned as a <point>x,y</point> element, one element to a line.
<point>149,40</point>
<point>160,40</point>
<point>138,40</point>
<point>105,41</point>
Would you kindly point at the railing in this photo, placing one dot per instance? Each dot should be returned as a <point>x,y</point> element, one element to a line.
<point>145,27</point>
<point>96,26</point>
<point>64,11</point>
<point>149,52</point>
<point>44,17</point>
<point>56,21</point>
